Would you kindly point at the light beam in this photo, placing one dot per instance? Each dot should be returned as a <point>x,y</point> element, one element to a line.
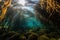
<point>22,2</point>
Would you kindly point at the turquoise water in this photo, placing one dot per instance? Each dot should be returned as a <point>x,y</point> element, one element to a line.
<point>32,22</point>
<point>23,17</point>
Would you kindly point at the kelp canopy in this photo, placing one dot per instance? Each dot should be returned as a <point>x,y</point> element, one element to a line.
<point>48,13</point>
<point>4,4</point>
<point>49,10</point>
<point>50,5</point>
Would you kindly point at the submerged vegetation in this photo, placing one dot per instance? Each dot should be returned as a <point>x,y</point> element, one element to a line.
<point>6,34</point>
<point>48,11</point>
<point>41,24</point>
